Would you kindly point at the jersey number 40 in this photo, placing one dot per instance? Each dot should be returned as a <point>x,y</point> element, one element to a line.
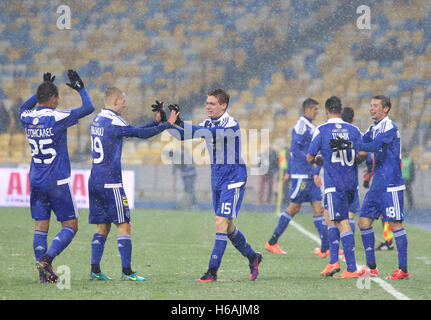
<point>341,157</point>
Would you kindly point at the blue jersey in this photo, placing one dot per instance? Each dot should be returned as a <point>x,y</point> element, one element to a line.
<point>302,134</point>
<point>46,131</point>
<point>223,140</point>
<point>107,132</point>
<point>383,139</point>
<point>340,167</point>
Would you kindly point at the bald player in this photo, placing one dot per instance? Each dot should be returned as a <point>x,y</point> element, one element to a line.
<point>108,201</point>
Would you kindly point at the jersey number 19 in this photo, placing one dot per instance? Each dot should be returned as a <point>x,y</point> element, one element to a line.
<point>96,147</point>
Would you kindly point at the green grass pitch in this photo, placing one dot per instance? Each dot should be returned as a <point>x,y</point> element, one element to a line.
<point>171,248</point>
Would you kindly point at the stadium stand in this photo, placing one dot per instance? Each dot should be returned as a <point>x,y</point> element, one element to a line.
<point>176,50</point>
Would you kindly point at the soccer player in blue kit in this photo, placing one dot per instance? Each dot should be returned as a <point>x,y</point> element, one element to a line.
<point>46,130</point>
<point>108,201</point>
<point>340,176</point>
<point>386,192</point>
<point>228,178</point>
<point>305,182</point>
<point>333,233</point>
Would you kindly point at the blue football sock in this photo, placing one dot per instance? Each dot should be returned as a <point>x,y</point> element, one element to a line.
<point>238,240</point>
<point>348,241</point>
<point>368,241</point>
<point>352,225</point>
<point>218,251</point>
<point>401,241</point>
<point>97,247</point>
<point>40,244</point>
<point>61,241</point>
<point>334,243</point>
<point>283,222</point>
<point>320,224</point>
<point>124,243</point>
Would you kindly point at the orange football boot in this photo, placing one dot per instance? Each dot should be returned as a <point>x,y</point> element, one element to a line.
<point>274,248</point>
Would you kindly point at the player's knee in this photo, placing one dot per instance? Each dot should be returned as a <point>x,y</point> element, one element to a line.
<point>71,224</point>
<point>41,225</point>
<point>124,228</point>
<point>103,229</point>
<point>221,224</point>
<point>395,225</point>
<point>364,223</point>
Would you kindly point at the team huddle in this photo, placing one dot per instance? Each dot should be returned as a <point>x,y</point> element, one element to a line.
<point>340,147</point>
<point>336,145</point>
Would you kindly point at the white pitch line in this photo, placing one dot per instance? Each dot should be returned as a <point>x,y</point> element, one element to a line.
<point>386,286</point>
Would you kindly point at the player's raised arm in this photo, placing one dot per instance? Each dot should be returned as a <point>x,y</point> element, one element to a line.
<point>117,102</point>
<point>29,104</point>
<point>76,83</point>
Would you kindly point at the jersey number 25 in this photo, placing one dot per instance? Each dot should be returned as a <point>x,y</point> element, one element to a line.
<point>38,147</point>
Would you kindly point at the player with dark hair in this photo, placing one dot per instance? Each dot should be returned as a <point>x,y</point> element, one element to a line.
<point>333,232</point>
<point>348,114</point>
<point>228,178</point>
<point>108,201</point>
<point>305,182</point>
<point>46,129</point>
<point>386,192</point>
<point>340,176</point>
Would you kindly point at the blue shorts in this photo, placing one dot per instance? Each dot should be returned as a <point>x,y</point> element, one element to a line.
<point>227,200</point>
<point>389,203</point>
<point>304,190</point>
<point>108,204</point>
<point>355,207</point>
<point>338,204</point>
<point>57,198</point>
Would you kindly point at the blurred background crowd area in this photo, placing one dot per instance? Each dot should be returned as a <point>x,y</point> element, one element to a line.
<point>269,55</point>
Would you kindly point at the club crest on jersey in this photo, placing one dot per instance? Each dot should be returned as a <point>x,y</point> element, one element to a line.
<point>35,121</point>
<point>125,202</point>
<point>303,185</point>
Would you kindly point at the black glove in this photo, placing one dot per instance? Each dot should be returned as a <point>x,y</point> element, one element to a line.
<point>47,77</point>
<point>340,144</point>
<point>366,184</point>
<point>177,109</point>
<point>75,81</point>
<point>158,107</point>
